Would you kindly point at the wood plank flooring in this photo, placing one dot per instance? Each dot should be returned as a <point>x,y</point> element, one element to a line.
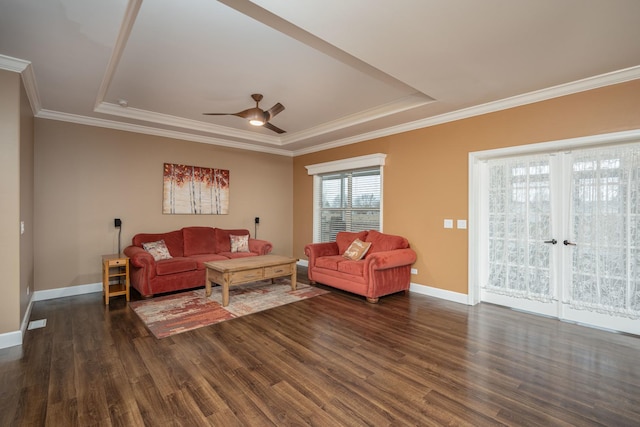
<point>333,360</point>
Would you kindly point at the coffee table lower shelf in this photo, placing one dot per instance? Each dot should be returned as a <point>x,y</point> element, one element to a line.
<point>238,271</point>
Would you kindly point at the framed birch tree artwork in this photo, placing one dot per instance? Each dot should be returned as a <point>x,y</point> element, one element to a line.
<point>195,190</point>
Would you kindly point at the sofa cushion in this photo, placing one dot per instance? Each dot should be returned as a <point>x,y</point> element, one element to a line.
<point>172,239</point>
<point>239,243</point>
<point>385,242</point>
<point>223,238</point>
<point>175,265</point>
<point>158,250</point>
<point>355,268</point>
<point>345,238</point>
<point>330,262</point>
<point>199,240</point>
<point>202,258</point>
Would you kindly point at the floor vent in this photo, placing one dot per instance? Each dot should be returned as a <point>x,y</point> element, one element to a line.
<point>35,324</point>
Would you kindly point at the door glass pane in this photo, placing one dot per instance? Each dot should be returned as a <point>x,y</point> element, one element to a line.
<point>519,222</point>
<point>605,220</point>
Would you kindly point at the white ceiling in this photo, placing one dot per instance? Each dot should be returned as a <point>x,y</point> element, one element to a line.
<point>346,70</point>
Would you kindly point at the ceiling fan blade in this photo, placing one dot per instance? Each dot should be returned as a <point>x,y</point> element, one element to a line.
<point>244,114</point>
<point>271,112</point>
<point>273,128</point>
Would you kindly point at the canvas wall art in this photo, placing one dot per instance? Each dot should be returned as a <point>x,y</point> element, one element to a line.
<point>195,190</point>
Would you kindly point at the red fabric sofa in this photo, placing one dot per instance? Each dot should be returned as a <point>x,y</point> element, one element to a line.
<point>385,269</point>
<point>190,248</point>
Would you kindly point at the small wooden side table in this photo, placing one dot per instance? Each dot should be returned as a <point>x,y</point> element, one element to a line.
<point>115,266</point>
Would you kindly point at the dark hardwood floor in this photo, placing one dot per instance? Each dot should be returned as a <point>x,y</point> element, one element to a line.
<point>333,360</point>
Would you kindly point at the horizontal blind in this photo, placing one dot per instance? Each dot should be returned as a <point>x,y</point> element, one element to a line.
<point>347,201</point>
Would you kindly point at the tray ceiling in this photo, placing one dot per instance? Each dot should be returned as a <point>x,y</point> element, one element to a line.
<point>344,70</point>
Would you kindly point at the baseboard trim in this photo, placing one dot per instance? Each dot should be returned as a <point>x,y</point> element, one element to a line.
<point>14,338</point>
<point>439,293</point>
<point>69,291</point>
<point>10,339</point>
<point>424,290</point>
<point>26,317</point>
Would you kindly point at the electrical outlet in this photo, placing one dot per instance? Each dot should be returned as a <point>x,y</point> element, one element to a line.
<point>414,271</point>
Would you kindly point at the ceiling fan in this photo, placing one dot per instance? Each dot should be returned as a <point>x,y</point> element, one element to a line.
<point>256,115</point>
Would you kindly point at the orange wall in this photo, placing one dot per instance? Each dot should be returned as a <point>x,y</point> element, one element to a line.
<point>426,171</point>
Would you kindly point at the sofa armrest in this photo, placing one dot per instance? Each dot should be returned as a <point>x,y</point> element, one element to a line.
<point>140,258</point>
<point>316,250</point>
<point>313,251</point>
<point>388,272</point>
<point>261,247</point>
<point>391,259</point>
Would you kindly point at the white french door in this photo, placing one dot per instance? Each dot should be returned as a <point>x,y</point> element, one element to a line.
<point>561,235</point>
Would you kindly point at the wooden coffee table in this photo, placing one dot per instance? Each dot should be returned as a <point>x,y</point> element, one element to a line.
<point>237,271</point>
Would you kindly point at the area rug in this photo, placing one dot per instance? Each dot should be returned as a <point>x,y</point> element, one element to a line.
<point>185,311</point>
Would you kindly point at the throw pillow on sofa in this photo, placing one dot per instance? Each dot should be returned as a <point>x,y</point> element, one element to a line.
<point>239,243</point>
<point>158,250</point>
<point>357,250</point>
<point>345,238</point>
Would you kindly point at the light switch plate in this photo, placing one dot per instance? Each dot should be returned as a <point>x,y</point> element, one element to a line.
<point>462,224</point>
<point>448,223</point>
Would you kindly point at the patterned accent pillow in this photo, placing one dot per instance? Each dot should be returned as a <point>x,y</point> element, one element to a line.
<point>239,243</point>
<point>357,250</point>
<point>157,249</point>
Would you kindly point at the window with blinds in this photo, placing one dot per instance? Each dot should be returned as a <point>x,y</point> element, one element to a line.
<point>347,201</point>
<point>347,195</point>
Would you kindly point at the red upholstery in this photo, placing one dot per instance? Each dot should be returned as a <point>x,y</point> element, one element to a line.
<point>385,270</point>
<point>172,239</point>
<point>199,240</point>
<point>175,265</point>
<point>385,242</point>
<point>345,238</point>
<point>190,248</point>
<point>223,239</point>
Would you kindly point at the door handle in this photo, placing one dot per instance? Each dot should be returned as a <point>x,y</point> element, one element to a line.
<point>568,243</point>
<point>552,241</point>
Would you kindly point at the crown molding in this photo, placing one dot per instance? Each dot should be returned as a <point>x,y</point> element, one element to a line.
<point>28,78</point>
<point>194,125</point>
<point>13,64</point>
<point>394,107</point>
<point>403,104</point>
<point>590,83</point>
<point>130,15</point>
<point>26,70</point>
<point>31,87</point>
<point>128,127</point>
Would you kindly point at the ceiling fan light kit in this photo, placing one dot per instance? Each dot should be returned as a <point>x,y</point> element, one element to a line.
<point>257,116</point>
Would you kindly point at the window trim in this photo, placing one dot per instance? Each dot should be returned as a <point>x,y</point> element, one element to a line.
<point>369,160</point>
